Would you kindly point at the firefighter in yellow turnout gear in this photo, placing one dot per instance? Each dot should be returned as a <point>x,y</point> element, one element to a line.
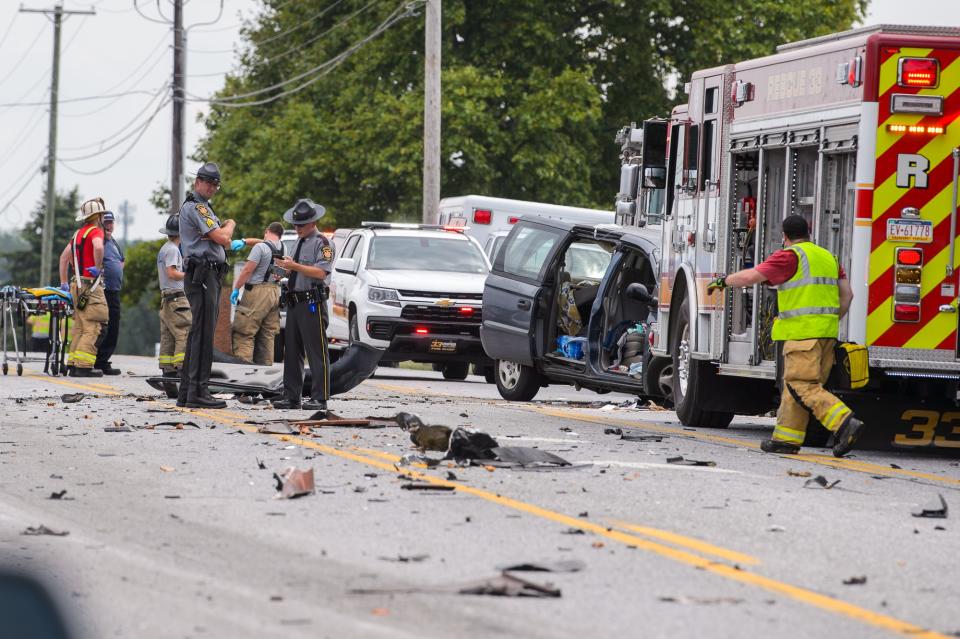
<point>257,320</point>
<point>813,294</point>
<point>175,316</point>
<point>84,254</point>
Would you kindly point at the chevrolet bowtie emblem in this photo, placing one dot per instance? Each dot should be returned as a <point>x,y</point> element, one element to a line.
<point>444,303</point>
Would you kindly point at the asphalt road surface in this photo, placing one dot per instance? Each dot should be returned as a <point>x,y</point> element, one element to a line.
<point>177,532</point>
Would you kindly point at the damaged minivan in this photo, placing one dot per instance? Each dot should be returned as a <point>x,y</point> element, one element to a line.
<point>572,304</point>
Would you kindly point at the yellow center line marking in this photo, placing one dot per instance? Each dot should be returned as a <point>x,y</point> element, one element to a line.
<point>823,460</point>
<point>734,573</point>
<point>703,547</point>
<point>63,382</point>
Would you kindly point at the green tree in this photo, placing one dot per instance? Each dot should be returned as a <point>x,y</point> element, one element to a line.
<point>533,93</point>
<point>24,263</point>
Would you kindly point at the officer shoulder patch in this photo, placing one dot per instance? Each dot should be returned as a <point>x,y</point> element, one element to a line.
<point>327,253</point>
<point>202,210</point>
<point>209,222</point>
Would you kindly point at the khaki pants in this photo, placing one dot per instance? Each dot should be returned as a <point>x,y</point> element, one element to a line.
<point>88,325</point>
<point>175,320</point>
<point>806,366</point>
<point>256,324</point>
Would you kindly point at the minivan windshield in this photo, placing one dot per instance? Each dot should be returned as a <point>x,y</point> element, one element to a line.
<point>414,253</point>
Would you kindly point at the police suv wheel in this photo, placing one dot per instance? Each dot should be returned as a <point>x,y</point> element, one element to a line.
<point>516,382</point>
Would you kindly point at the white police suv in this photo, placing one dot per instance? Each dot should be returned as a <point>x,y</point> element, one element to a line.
<point>413,289</point>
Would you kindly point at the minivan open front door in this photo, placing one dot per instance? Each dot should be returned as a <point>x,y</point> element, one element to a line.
<point>514,291</point>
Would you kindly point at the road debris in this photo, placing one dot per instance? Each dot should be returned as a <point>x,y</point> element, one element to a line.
<point>293,483</point>
<point>564,565</point>
<point>118,427</point>
<point>855,581</point>
<point>613,431</point>
<point>680,461</point>
<point>59,495</point>
<point>820,481</point>
<point>503,585</point>
<point>426,486</point>
<point>405,559</point>
<point>167,469</point>
<point>72,398</point>
<point>646,438</point>
<point>174,425</point>
<point>43,530</point>
<point>776,528</point>
<point>260,464</point>
<point>933,512</point>
<point>704,601</point>
<point>799,473</point>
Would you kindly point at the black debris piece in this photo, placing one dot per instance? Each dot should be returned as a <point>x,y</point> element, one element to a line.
<point>820,481</point>
<point>503,585</point>
<point>584,514</point>
<point>451,476</point>
<point>370,475</point>
<point>261,465</point>
<point>464,415</point>
<point>855,581</point>
<point>359,489</point>
<point>645,438</point>
<point>895,466</point>
<point>177,425</point>
<point>707,601</point>
<point>406,559</point>
<point>564,565</point>
<point>58,494</point>
<point>612,431</point>
<point>72,398</point>
<point>426,486</point>
<point>933,512</point>
<point>118,427</point>
<point>409,421</point>
<point>566,429</point>
<point>466,443</point>
<point>680,461</point>
<point>43,530</point>
<point>574,531</point>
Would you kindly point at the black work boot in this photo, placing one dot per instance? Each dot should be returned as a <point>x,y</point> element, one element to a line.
<point>847,436</point>
<point>171,388</point>
<point>85,372</point>
<point>285,404</point>
<point>204,402</point>
<point>317,405</point>
<point>775,446</point>
<point>107,369</point>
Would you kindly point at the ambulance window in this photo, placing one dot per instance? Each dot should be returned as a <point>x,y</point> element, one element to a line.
<point>710,100</point>
<point>693,152</point>
<point>706,161</point>
<point>677,137</point>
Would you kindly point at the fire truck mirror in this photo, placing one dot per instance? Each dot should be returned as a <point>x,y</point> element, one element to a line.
<point>654,145</point>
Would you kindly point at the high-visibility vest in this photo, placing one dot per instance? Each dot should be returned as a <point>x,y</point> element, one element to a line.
<point>809,302</point>
<point>39,326</point>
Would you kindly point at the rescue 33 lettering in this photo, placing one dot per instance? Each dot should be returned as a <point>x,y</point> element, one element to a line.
<point>923,431</point>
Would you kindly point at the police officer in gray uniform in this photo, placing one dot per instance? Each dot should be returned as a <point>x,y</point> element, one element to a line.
<point>202,242</point>
<point>305,297</point>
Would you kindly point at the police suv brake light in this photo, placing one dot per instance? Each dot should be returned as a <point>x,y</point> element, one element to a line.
<point>922,73</point>
<point>421,331</point>
<point>482,216</point>
<point>466,310</point>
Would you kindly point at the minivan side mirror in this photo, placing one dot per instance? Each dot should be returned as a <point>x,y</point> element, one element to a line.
<point>639,292</point>
<point>345,265</point>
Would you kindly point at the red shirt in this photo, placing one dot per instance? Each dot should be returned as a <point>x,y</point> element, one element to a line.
<point>781,266</point>
<point>83,246</point>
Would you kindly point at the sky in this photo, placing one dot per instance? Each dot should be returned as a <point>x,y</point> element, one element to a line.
<point>119,51</point>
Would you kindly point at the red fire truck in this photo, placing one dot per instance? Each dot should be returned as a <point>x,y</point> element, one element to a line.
<point>857,132</point>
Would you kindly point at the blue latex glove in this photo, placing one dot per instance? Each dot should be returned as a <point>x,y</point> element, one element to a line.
<point>92,271</point>
<point>65,287</point>
<point>236,245</point>
<point>235,296</point>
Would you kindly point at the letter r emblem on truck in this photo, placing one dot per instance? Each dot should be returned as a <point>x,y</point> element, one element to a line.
<point>910,165</point>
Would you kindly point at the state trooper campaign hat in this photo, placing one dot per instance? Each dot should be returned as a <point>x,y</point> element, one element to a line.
<point>172,227</point>
<point>304,212</point>
<point>209,171</point>
<point>90,208</point>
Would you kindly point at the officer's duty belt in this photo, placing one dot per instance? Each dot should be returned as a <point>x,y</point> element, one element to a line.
<point>312,296</point>
<point>173,296</point>
<point>249,287</point>
<point>210,265</point>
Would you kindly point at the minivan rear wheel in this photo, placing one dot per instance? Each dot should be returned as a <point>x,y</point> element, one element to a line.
<point>516,382</point>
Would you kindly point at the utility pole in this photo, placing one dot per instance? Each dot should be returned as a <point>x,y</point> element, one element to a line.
<point>126,212</point>
<point>431,114</point>
<point>179,89</point>
<point>46,240</point>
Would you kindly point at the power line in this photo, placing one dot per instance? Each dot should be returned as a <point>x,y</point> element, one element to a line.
<point>24,134</point>
<point>16,65</point>
<point>88,98</point>
<point>277,36</point>
<point>23,187</point>
<point>240,24</point>
<point>120,131</point>
<point>143,129</point>
<point>6,33</point>
<point>320,70</point>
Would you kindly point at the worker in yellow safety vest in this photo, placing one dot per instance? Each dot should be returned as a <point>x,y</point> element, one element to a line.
<point>812,295</point>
